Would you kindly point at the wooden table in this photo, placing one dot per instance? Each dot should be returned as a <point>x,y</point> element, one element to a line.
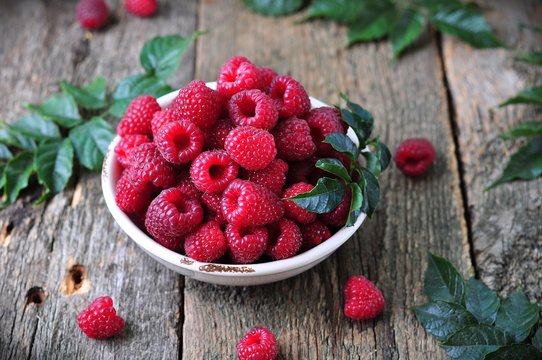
<point>442,89</point>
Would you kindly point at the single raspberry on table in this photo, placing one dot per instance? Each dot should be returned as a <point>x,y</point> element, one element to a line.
<point>161,118</point>
<point>314,234</point>
<point>285,239</point>
<point>272,177</point>
<point>338,216</point>
<point>92,14</point>
<point>251,148</point>
<point>138,116</point>
<point>125,148</point>
<point>148,166</point>
<point>130,199</point>
<point>141,8</point>
<point>293,140</point>
<point>258,344</point>
<point>362,299</point>
<point>100,320</point>
<point>198,103</point>
<point>207,243</point>
<point>414,156</point>
<point>179,142</point>
<point>293,211</point>
<point>290,97</point>
<point>215,136</point>
<point>253,108</point>
<point>247,204</point>
<point>246,244</point>
<point>266,76</point>
<point>235,75</point>
<point>213,171</point>
<point>322,122</point>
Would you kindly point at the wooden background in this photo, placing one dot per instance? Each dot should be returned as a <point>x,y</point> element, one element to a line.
<point>442,89</point>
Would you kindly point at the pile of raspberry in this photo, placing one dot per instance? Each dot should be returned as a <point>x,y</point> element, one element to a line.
<point>209,175</point>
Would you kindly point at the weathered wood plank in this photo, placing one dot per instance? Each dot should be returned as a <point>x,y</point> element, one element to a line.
<point>506,226</point>
<point>408,99</point>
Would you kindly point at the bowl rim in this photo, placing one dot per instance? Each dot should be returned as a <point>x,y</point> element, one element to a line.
<point>226,270</point>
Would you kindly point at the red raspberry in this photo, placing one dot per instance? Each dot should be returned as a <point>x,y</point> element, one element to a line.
<point>258,344</point>
<point>125,148</point>
<point>285,239</point>
<point>141,8</point>
<point>188,188</point>
<point>160,119</point>
<point>293,211</point>
<point>215,137</point>
<point>253,108</point>
<point>251,148</point>
<point>137,118</point>
<point>247,204</point>
<point>293,140</point>
<point>199,104</point>
<point>322,123</point>
<point>272,177</point>
<point>214,209</point>
<point>207,244</point>
<point>300,171</point>
<point>314,234</point>
<point>130,199</point>
<point>92,14</point>
<point>362,299</point>
<point>213,171</point>
<point>266,76</point>
<point>414,156</point>
<point>100,320</point>
<point>246,244</point>
<point>148,166</point>
<point>235,75</point>
<point>290,97</point>
<point>338,216</point>
<point>174,243</point>
<point>179,142</point>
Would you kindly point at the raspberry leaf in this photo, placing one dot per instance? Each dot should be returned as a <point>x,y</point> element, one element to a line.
<point>2,177</point>
<point>133,86</point>
<point>515,352</point>
<point>475,342</point>
<point>91,96</point>
<point>371,193</point>
<point>528,96</point>
<point>91,141</point>
<point>355,204</point>
<point>481,301</point>
<point>16,175</point>
<point>323,198</point>
<point>442,319</point>
<point>442,281</point>
<point>5,154</point>
<point>534,58</point>
<point>62,109</point>
<point>373,22</point>
<point>274,7</point>
<point>378,158</point>
<point>516,316</point>
<point>13,138</point>
<point>537,339</point>
<point>36,127</point>
<point>334,167</point>
<point>406,28</point>
<point>344,11</point>
<point>527,128</point>
<point>54,165</point>
<point>342,144</point>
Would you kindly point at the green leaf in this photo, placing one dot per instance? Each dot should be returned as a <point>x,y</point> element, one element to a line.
<point>360,120</point>
<point>528,96</point>
<point>534,58</point>
<point>407,27</point>
<point>475,342</point>
<point>517,316</point>
<point>62,109</point>
<point>377,159</point>
<point>527,128</point>
<point>13,138</point>
<point>342,144</point>
<point>442,280</point>
<point>2,177</point>
<point>345,11</point>
<point>442,319</point>
<point>161,55</point>
<point>91,141</point>
<point>355,204</point>
<point>91,96</point>
<point>481,301</point>
<point>16,174</point>
<point>371,194</point>
<point>334,167</point>
<point>5,154</point>
<point>54,165</point>
<point>537,339</point>
<point>36,127</point>
<point>274,7</point>
<point>323,198</point>
<point>134,86</point>
<point>373,22</point>
<point>515,352</point>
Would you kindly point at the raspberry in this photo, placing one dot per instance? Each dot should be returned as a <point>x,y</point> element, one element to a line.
<point>161,118</point>
<point>141,8</point>
<point>247,204</point>
<point>323,122</point>
<point>272,177</point>
<point>215,137</point>
<point>100,320</point>
<point>362,299</point>
<point>290,97</point>
<point>179,142</point>
<point>213,171</point>
<point>174,243</point>
<point>130,199</point>
<point>293,140</point>
<point>188,188</point>
<point>300,171</point>
<point>314,234</point>
<point>125,148</point>
<point>137,118</point>
<point>414,156</point>
<point>199,104</point>
<point>207,244</point>
<point>258,344</point>
<point>246,244</point>
<point>285,239</point>
<point>92,14</point>
<point>253,108</point>
<point>148,166</point>
<point>212,201</point>
<point>338,216</point>
<point>265,77</point>
<point>293,211</point>
<point>251,148</point>
<point>235,75</point>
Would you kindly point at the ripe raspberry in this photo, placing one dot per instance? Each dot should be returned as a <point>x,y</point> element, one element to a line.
<point>213,171</point>
<point>285,239</point>
<point>414,156</point>
<point>213,204</point>
<point>92,14</point>
<point>215,137</point>
<point>314,234</point>
<point>161,118</point>
<point>300,171</point>
<point>338,216</point>
<point>293,211</point>
<point>253,108</point>
<point>293,140</point>
<point>235,75</point>
<point>362,299</point>
<point>272,177</point>
<point>322,123</point>
<point>173,243</point>
<point>290,97</point>
<point>258,344</point>
<point>137,118</point>
<point>266,76</point>
<point>199,104</point>
<point>130,199</point>
<point>141,8</point>
<point>187,187</point>
<point>100,320</point>
<point>247,204</point>
<point>179,142</point>
<point>247,244</point>
<point>251,148</point>
<point>125,148</point>
<point>207,244</point>
<point>148,166</point>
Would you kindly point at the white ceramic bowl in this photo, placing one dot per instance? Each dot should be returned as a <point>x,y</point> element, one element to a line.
<point>223,274</point>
